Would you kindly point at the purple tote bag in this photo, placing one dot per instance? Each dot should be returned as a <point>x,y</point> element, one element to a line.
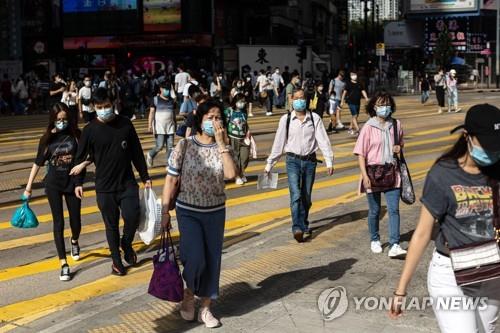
<point>166,282</point>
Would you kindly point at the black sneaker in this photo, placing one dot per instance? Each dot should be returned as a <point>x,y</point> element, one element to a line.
<point>118,269</point>
<point>130,256</point>
<point>65,273</point>
<point>75,251</point>
<point>330,128</point>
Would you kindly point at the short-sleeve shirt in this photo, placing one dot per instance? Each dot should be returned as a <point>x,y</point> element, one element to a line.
<point>461,202</point>
<point>353,92</point>
<point>59,154</point>
<point>181,79</point>
<point>85,95</point>
<point>237,123</point>
<point>202,175</point>
<point>164,121</point>
<point>338,87</point>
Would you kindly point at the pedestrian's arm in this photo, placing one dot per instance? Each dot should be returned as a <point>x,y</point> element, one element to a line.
<point>324,142</point>
<point>278,145</point>
<point>152,111</point>
<point>344,93</point>
<point>363,92</point>
<point>137,156</point>
<point>34,171</point>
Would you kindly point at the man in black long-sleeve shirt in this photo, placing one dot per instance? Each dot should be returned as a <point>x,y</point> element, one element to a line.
<point>111,142</point>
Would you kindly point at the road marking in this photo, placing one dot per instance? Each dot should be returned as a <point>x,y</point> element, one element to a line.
<point>25,312</point>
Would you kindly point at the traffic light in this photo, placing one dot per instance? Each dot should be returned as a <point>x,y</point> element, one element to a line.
<point>301,53</point>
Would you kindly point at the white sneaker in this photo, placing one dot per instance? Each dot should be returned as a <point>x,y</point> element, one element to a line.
<point>457,110</point>
<point>269,113</point>
<point>440,111</point>
<point>206,317</point>
<point>149,161</point>
<point>239,181</point>
<point>250,115</point>
<point>376,247</point>
<point>339,126</point>
<point>396,251</point>
<point>244,179</point>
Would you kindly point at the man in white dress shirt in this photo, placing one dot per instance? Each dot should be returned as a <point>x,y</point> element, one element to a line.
<point>300,134</point>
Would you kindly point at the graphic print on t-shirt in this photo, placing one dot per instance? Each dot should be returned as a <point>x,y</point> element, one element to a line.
<point>62,156</point>
<point>474,210</point>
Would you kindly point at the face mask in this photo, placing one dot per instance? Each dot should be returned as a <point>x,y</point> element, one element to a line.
<point>320,88</point>
<point>277,72</point>
<point>299,105</point>
<point>105,114</point>
<point>166,93</point>
<point>481,157</point>
<point>354,77</point>
<point>249,78</point>
<point>208,128</point>
<point>61,125</point>
<point>383,111</point>
<point>87,83</point>
<point>239,85</point>
<point>240,105</point>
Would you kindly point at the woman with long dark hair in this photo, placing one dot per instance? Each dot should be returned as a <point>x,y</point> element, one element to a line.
<point>459,193</point>
<point>58,147</point>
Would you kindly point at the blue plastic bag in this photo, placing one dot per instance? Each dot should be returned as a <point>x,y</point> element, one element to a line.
<point>24,217</point>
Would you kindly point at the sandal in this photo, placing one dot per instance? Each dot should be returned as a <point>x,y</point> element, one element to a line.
<point>118,271</point>
<point>130,257</point>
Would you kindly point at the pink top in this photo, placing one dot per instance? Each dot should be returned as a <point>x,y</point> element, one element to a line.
<point>370,145</point>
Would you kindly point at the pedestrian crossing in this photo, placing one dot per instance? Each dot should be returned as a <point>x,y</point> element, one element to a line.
<point>249,212</point>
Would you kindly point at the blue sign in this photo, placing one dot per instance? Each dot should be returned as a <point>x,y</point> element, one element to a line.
<point>75,6</point>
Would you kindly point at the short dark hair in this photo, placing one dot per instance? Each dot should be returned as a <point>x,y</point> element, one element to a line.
<point>381,94</point>
<point>101,96</point>
<point>165,84</point>
<point>203,109</point>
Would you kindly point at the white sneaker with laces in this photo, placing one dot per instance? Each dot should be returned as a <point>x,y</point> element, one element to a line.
<point>396,251</point>
<point>239,181</point>
<point>269,113</point>
<point>339,126</point>
<point>376,247</point>
<point>206,317</point>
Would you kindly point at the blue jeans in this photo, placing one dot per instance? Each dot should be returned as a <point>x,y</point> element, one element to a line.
<point>201,240</point>
<point>161,140</point>
<point>392,199</point>
<point>425,96</point>
<point>452,97</point>
<point>300,183</point>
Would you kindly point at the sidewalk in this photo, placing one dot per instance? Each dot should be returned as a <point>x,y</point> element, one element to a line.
<point>270,283</point>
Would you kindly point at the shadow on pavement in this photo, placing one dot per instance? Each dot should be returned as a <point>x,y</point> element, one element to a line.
<point>240,298</point>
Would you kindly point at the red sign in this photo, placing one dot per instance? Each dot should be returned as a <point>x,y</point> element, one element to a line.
<point>486,52</point>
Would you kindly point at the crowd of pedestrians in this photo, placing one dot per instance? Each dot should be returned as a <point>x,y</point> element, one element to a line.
<point>216,144</point>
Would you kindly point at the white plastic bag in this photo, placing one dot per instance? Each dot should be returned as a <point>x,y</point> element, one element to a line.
<point>150,222</point>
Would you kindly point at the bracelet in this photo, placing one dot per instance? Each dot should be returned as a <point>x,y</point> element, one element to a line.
<point>399,295</point>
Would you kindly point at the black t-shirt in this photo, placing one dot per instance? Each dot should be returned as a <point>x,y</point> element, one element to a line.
<point>56,86</point>
<point>425,85</point>
<point>60,153</point>
<point>461,202</point>
<point>113,147</point>
<point>353,92</point>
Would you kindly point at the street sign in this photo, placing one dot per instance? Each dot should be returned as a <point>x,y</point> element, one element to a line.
<point>486,52</point>
<point>380,49</point>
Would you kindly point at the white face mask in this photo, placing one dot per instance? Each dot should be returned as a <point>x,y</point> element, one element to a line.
<point>354,77</point>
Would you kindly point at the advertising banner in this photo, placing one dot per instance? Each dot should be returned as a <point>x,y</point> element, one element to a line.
<point>458,31</point>
<point>162,15</point>
<point>78,6</point>
<point>443,6</point>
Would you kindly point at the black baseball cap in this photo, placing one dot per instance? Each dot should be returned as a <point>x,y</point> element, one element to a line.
<point>483,122</point>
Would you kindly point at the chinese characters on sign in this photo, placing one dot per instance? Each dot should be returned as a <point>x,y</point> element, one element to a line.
<point>458,30</point>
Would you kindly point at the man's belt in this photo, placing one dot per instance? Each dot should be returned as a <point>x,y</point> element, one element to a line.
<point>310,157</point>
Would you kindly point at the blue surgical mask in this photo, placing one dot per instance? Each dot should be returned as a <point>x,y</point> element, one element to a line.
<point>208,128</point>
<point>105,114</point>
<point>482,157</point>
<point>383,111</point>
<point>61,125</point>
<point>166,93</point>
<point>299,105</point>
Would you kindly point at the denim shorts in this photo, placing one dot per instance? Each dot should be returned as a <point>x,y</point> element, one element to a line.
<point>354,108</point>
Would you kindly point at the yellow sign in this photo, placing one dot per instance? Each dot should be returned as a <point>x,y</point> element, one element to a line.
<point>380,46</point>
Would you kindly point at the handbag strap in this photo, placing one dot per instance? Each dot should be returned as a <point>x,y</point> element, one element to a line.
<point>397,141</point>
